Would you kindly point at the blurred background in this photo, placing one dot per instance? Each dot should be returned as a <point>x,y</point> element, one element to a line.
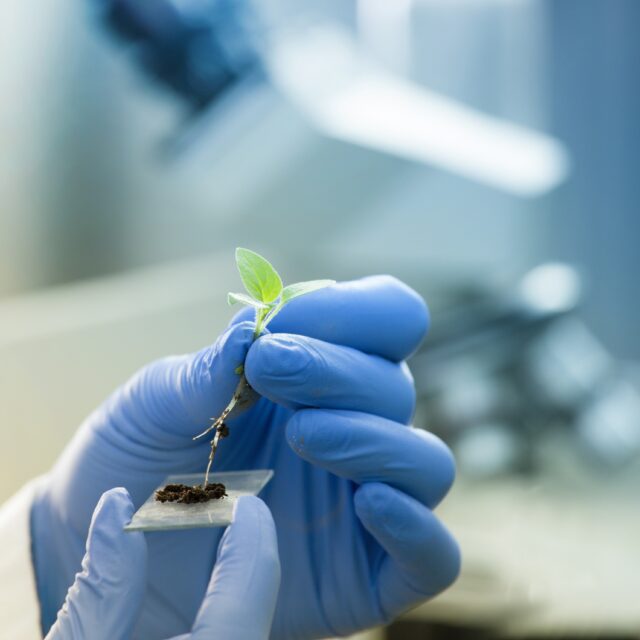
<point>485,151</point>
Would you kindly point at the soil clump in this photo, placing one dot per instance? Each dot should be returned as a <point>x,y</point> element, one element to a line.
<point>191,495</point>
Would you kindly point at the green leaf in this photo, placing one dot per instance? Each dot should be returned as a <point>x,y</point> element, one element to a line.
<point>300,288</point>
<point>260,279</point>
<point>243,298</point>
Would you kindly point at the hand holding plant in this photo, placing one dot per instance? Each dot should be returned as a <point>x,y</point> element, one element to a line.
<point>354,486</point>
<point>268,296</point>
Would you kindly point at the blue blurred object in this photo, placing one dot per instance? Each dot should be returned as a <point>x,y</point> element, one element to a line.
<point>354,486</point>
<point>105,599</point>
<point>502,371</point>
<point>198,49</point>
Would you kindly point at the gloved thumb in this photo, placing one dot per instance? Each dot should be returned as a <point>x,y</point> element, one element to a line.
<point>105,598</point>
<point>176,397</point>
<point>242,594</point>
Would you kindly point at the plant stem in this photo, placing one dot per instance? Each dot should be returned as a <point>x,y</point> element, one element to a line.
<point>237,394</point>
<point>212,453</point>
<point>260,317</point>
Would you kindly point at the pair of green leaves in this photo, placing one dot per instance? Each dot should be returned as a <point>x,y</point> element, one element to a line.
<point>265,291</point>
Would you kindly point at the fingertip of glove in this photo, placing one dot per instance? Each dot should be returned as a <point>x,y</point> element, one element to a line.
<point>275,359</point>
<point>233,343</point>
<point>218,359</point>
<point>111,550</point>
<point>443,465</point>
<point>453,568</point>
<point>383,508</point>
<point>407,527</point>
<point>252,512</point>
<point>388,301</point>
<point>114,504</point>
<point>372,500</point>
<point>412,311</point>
<point>249,506</point>
<point>307,432</point>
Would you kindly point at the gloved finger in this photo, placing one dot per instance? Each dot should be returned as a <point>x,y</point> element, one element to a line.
<point>172,399</point>
<point>242,594</point>
<point>367,448</point>
<point>297,371</point>
<point>422,557</point>
<point>106,596</point>
<point>378,315</point>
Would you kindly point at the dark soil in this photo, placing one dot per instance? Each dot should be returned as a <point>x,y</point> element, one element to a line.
<point>191,495</point>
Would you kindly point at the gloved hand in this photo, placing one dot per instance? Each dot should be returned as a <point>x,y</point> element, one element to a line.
<point>354,486</point>
<point>106,597</point>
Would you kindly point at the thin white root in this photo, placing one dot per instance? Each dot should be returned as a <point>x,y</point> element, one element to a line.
<point>218,421</point>
<point>217,424</point>
<point>214,446</point>
<point>228,409</point>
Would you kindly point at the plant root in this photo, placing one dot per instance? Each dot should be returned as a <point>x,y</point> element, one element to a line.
<point>243,397</point>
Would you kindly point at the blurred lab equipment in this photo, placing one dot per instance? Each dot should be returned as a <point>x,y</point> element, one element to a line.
<point>202,50</point>
<point>84,196</point>
<point>545,426</point>
<point>198,49</point>
<point>499,371</point>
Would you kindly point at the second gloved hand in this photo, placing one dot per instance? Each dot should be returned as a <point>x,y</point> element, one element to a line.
<point>107,595</point>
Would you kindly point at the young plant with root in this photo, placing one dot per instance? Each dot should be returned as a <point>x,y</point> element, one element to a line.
<point>268,296</point>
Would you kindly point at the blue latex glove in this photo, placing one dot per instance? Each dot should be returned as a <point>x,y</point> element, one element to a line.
<point>354,487</point>
<point>106,597</point>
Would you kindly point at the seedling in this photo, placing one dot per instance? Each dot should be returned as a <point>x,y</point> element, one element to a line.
<point>266,294</point>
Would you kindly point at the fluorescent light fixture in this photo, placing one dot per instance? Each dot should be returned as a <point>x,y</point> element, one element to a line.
<point>348,98</point>
<point>384,30</point>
